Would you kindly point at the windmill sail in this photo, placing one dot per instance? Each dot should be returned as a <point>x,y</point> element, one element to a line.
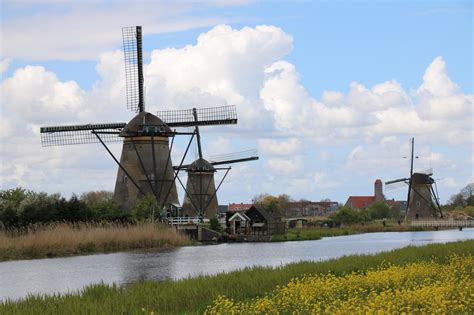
<point>145,165</point>
<point>230,158</point>
<point>395,185</point>
<point>401,180</point>
<point>223,115</point>
<point>80,134</point>
<point>132,48</point>
<point>236,157</point>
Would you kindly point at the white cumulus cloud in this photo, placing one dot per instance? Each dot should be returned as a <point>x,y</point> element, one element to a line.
<point>245,67</point>
<point>276,147</point>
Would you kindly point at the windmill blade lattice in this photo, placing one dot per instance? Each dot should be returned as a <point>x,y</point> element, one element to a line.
<point>132,48</point>
<point>223,115</point>
<point>80,134</point>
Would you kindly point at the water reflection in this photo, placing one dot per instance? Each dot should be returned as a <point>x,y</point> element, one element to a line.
<point>46,276</point>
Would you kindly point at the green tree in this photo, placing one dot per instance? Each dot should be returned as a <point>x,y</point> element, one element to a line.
<point>103,207</point>
<point>10,201</point>
<point>40,208</point>
<point>364,215</point>
<point>457,200</point>
<point>108,210</point>
<point>277,205</point>
<point>73,210</point>
<point>215,225</point>
<point>145,208</point>
<point>347,215</point>
<point>92,198</point>
<point>379,210</point>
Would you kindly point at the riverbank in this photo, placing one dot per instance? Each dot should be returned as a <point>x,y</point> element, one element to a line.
<point>316,232</point>
<point>64,239</point>
<point>194,295</point>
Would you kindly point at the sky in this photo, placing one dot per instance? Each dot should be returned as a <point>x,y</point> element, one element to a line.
<point>329,92</point>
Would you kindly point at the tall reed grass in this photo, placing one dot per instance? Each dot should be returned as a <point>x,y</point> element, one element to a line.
<point>62,239</point>
<point>191,296</point>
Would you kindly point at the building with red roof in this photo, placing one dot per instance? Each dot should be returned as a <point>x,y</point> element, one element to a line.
<point>362,202</point>
<point>359,202</point>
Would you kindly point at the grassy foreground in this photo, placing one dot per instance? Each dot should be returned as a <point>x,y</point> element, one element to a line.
<point>420,287</point>
<point>194,295</point>
<point>75,239</point>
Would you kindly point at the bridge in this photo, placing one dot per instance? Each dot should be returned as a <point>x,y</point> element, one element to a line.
<point>193,227</point>
<point>186,220</point>
<point>443,223</point>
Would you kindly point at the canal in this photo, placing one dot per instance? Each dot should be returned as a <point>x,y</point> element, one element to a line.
<point>60,275</point>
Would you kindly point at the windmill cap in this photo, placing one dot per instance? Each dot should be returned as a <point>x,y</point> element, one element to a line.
<point>145,124</point>
<point>201,165</point>
<point>422,179</point>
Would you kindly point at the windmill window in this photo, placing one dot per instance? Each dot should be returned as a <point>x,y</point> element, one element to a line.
<point>124,179</point>
<point>418,204</point>
<point>152,179</point>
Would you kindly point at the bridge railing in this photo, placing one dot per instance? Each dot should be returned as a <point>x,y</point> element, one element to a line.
<point>443,223</point>
<point>185,220</point>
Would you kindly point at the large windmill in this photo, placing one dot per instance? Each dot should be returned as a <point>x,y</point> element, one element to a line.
<point>200,198</point>
<point>145,166</point>
<point>422,199</point>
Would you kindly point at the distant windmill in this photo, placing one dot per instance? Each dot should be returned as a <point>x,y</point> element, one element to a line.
<point>145,166</point>
<point>422,199</point>
<point>200,192</point>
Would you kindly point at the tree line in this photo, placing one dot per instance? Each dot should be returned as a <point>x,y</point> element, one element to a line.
<point>278,205</point>
<point>462,201</point>
<point>377,211</point>
<point>21,207</point>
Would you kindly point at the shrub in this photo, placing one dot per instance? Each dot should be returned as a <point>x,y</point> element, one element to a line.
<point>145,208</point>
<point>10,201</point>
<point>347,215</point>
<point>215,225</point>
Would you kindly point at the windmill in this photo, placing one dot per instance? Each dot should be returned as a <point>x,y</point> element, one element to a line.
<point>145,166</point>
<point>200,192</point>
<point>422,199</point>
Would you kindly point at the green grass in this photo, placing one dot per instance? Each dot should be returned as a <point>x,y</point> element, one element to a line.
<point>312,234</point>
<point>193,295</point>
